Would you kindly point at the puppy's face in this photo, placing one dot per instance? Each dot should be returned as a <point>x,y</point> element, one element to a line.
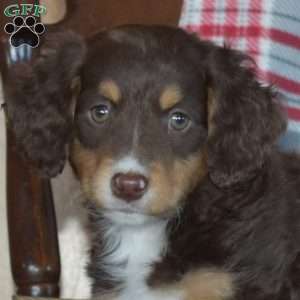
<point>146,128</point>
<point>141,124</point>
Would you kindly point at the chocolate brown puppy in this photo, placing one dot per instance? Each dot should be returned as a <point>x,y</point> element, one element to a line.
<point>173,140</point>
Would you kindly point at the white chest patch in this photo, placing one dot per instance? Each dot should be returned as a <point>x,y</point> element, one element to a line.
<point>130,251</point>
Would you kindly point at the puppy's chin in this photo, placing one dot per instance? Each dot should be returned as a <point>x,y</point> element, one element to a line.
<point>129,217</point>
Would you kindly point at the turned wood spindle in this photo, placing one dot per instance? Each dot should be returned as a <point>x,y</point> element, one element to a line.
<point>32,230</point>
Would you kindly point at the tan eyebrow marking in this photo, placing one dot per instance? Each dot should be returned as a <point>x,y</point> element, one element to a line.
<point>170,96</point>
<point>110,90</point>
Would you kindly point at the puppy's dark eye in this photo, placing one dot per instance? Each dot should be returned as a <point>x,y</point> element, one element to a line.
<point>178,121</point>
<point>100,113</point>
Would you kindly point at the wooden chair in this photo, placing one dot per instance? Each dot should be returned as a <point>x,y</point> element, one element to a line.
<point>33,240</point>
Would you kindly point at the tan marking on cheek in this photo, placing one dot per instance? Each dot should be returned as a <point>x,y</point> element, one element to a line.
<point>207,285</point>
<point>170,96</point>
<point>187,173</point>
<point>110,90</point>
<point>101,180</point>
<point>161,184</point>
<point>84,162</point>
<point>211,109</point>
<point>170,186</point>
<point>90,166</point>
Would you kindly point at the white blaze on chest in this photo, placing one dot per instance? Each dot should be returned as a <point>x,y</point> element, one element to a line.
<point>132,249</point>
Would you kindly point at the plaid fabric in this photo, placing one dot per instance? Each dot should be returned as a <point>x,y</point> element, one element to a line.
<point>269,31</point>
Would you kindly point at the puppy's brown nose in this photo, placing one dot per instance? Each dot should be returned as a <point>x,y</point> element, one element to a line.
<point>129,186</point>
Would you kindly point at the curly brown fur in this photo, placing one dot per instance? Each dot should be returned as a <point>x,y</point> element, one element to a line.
<point>245,116</point>
<point>39,96</point>
<point>228,198</point>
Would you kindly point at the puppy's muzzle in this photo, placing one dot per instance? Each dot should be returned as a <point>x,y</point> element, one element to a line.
<point>129,186</point>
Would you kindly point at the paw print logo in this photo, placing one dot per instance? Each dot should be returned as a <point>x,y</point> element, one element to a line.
<point>24,31</point>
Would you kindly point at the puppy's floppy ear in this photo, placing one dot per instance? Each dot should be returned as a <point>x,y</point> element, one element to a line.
<point>244,118</point>
<point>39,100</point>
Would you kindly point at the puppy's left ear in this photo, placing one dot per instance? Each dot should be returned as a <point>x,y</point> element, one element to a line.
<point>244,118</point>
<point>39,100</point>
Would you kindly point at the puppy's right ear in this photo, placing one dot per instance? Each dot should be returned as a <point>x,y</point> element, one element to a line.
<point>39,100</point>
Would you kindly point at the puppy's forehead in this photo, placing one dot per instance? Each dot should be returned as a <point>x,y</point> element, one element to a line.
<point>141,60</point>
<point>144,46</point>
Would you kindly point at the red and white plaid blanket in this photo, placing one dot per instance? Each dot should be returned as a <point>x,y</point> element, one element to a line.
<point>269,31</point>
